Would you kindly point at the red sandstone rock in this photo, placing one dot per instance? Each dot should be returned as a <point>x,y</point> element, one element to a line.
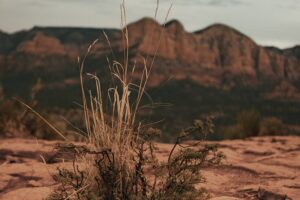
<point>217,56</point>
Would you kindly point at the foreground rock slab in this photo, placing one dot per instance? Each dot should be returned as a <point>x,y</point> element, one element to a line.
<point>266,168</point>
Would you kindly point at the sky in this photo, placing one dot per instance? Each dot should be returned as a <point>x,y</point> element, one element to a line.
<point>267,22</point>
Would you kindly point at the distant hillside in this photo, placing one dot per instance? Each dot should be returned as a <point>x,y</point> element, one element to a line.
<point>219,68</point>
<point>217,56</point>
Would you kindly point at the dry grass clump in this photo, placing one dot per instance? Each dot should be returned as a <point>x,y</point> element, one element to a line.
<point>118,159</point>
<point>103,173</point>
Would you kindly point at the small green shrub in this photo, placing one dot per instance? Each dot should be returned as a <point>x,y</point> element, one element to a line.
<point>272,126</point>
<point>10,118</point>
<point>249,121</point>
<point>233,132</point>
<point>250,124</point>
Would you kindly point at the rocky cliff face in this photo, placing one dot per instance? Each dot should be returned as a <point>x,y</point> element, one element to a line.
<point>214,56</point>
<point>217,56</point>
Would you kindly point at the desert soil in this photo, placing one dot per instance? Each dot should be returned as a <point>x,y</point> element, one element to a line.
<point>256,168</point>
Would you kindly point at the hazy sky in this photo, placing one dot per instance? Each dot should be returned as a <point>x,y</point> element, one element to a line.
<point>268,22</point>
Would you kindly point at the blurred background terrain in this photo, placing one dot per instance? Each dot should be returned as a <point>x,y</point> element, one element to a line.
<point>249,87</point>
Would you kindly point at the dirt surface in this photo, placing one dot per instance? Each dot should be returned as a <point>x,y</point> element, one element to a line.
<point>258,168</point>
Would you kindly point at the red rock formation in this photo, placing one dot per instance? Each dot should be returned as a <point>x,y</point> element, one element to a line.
<point>218,55</point>
<point>42,45</point>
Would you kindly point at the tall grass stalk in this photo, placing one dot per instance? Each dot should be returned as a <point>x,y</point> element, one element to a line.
<point>117,138</point>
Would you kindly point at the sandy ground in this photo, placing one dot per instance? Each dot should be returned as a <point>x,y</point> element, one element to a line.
<point>258,168</point>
